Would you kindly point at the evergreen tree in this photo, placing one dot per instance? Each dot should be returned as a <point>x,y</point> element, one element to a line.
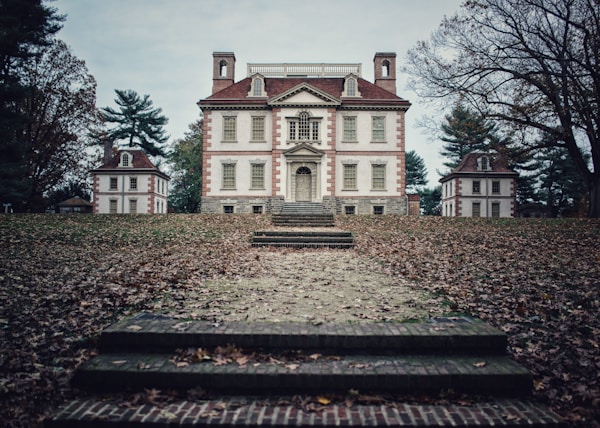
<point>416,171</point>
<point>25,25</point>
<point>431,200</point>
<point>186,163</point>
<point>137,122</point>
<point>464,132</point>
<point>561,185</point>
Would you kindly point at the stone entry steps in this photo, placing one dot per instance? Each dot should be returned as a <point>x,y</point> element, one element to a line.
<point>302,208</point>
<point>302,239</point>
<point>303,220</point>
<point>288,359</point>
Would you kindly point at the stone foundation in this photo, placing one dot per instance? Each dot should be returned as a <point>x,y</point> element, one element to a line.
<point>331,205</point>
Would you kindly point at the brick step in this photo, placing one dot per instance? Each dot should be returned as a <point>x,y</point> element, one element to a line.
<point>306,220</point>
<point>249,412</point>
<point>420,374</point>
<point>151,333</point>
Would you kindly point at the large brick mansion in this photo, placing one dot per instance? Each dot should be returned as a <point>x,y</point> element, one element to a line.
<point>304,133</point>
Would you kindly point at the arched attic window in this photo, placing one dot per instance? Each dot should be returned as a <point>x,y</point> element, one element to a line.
<point>385,68</point>
<point>258,87</point>
<point>126,160</point>
<point>223,68</point>
<point>351,87</point>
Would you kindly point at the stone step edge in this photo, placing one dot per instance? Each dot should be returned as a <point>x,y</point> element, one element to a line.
<point>229,411</point>
<point>149,332</point>
<point>291,233</point>
<point>491,375</point>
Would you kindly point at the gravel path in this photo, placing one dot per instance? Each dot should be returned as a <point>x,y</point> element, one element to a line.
<point>317,286</point>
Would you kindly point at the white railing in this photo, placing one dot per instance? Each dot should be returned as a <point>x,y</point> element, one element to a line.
<point>304,70</point>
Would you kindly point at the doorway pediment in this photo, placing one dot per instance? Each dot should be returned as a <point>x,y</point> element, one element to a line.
<point>303,151</point>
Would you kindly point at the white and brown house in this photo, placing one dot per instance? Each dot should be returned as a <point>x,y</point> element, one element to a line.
<point>315,133</point>
<point>482,185</point>
<point>129,183</point>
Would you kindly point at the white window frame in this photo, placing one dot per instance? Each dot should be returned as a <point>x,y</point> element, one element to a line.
<point>230,129</point>
<point>378,128</point>
<point>258,128</point>
<point>133,183</point>
<point>378,176</point>
<point>349,131</point>
<point>257,176</point>
<point>228,175</point>
<point>304,128</point>
<point>114,180</point>
<point>133,206</point>
<point>350,176</point>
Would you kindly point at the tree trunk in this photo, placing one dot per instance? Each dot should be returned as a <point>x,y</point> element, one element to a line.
<point>594,211</point>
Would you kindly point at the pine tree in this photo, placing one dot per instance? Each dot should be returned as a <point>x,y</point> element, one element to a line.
<point>137,122</point>
<point>186,163</point>
<point>416,171</point>
<point>464,132</point>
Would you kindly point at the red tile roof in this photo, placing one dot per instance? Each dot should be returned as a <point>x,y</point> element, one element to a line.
<point>238,92</point>
<point>140,161</point>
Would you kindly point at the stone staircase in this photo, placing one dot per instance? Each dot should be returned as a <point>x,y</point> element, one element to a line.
<point>300,374</point>
<point>303,239</point>
<point>303,214</point>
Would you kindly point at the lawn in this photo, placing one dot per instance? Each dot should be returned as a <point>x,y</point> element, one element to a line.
<point>66,277</point>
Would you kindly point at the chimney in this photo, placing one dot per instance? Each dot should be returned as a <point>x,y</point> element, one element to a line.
<point>108,149</point>
<point>223,70</point>
<point>385,71</point>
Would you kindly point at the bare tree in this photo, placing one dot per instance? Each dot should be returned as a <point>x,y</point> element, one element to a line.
<point>60,105</point>
<point>532,64</point>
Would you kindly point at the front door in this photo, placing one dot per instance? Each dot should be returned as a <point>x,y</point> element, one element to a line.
<point>303,184</point>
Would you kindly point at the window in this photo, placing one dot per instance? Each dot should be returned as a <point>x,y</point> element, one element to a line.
<point>378,210</point>
<point>496,187</point>
<point>484,163</point>
<point>229,128</point>
<point>476,209</point>
<point>304,127</point>
<point>257,209</point>
<point>257,88</point>
<point>350,210</point>
<point>133,206</point>
<point>496,209</point>
<point>228,209</point>
<point>378,177</point>
<point>258,128</point>
<point>113,183</point>
<point>349,176</point>
<point>349,128</point>
<point>258,176</point>
<point>378,130</point>
<point>125,160</point>
<point>112,206</point>
<point>351,90</point>
<point>228,176</point>
<point>132,183</point>
<point>477,186</point>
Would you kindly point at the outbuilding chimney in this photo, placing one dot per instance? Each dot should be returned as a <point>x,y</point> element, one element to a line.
<point>223,70</point>
<point>385,70</point>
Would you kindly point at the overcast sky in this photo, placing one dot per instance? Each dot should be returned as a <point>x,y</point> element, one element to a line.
<point>164,48</point>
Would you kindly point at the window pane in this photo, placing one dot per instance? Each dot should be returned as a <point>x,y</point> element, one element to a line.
<point>258,128</point>
<point>495,209</point>
<point>477,187</point>
<point>113,183</point>
<point>349,176</point>
<point>112,206</point>
<point>476,209</point>
<point>378,128</point>
<point>257,87</point>
<point>229,124</point>
<point>495,187</point>
<point>293,130</point>
<point>229,176</point>
<point>350,128</point>
<point>258,176</point>
<point>315,131</point>
<point>133,183</point>
<point>351,89</point>
<point>378,177</point>
<point>133,206</point>
<point>304,126</point>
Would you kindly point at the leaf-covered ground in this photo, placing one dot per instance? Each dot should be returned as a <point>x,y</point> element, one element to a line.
<point>64,278</point>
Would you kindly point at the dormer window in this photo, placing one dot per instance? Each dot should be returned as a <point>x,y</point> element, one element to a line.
<point>484,163</point>
<point>351,87</point>
<point>258,87</point>
<point>126,160</point>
